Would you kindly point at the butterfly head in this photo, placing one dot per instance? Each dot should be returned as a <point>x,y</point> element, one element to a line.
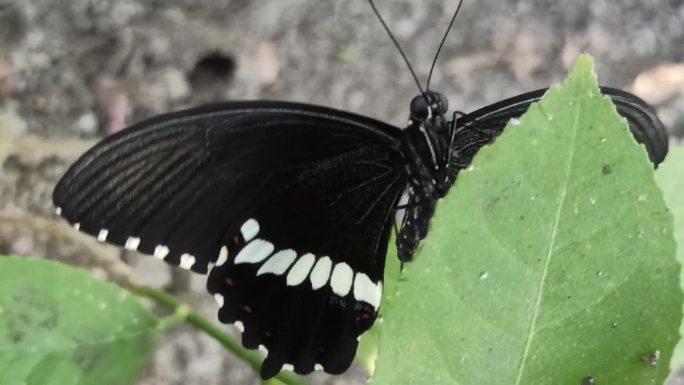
<point>427,105</point>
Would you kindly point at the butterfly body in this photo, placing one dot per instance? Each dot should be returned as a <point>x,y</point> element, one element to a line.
<point>427,145</point>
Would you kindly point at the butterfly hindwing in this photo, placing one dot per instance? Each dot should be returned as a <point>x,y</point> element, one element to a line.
<point>303,275</point>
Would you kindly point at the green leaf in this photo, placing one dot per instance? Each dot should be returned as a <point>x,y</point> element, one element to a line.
<point>550,262</point>
<point>60,326</point>
<point>670,178</point>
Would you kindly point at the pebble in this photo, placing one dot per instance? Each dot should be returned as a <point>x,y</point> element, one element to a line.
<point>87,123</point>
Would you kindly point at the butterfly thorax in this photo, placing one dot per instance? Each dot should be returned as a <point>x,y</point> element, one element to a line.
<point>426,145</point>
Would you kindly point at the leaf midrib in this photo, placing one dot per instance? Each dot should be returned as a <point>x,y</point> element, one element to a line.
<point>531,333</point>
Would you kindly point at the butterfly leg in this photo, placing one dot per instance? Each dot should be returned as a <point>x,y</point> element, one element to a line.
<point>453,124</point>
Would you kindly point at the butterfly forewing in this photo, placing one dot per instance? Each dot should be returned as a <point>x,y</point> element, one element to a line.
<point>481,126</point>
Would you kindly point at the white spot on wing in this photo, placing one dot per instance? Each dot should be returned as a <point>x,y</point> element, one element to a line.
<point>300,270</point>
<point>321,273</point>
<point>161,251</point>
<point>223,256</point>
<point>249,229</point>
<point>240,326</point>
<point>255,252</point>
<point>278,263</point>
<point>365,290</point>
<point>132,243</point>
<point>318,367</point>
<point>58,211</point>
<point>219,300</point>
<point>102,235</point>
<point>186,261</point>
<point>288,367</point>
<point>77,226</point>
<point>341,279</point>
<point>263,350</point>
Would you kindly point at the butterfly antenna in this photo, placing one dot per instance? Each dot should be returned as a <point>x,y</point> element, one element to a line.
<point>396,44</point>
<point>441,44</point>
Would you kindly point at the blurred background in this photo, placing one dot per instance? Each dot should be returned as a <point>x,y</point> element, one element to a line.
<point>74,71</point>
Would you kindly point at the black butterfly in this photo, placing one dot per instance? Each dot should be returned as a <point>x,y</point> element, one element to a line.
<point>289,207</point>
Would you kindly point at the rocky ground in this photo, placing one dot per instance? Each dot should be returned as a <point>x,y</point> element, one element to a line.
<point>75,70</point>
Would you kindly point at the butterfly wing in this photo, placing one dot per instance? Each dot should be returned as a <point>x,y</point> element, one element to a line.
<point>291,203</point>
<point>485,124</point>
<point>303,276</point>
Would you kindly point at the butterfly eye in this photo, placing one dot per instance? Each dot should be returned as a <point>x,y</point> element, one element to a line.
<point>419,107</point>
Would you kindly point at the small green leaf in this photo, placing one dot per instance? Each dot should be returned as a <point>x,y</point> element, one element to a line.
<point>551,262</point>
<point>670,178</point>
<point>60,326</point>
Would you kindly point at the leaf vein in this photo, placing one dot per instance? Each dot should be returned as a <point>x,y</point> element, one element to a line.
<point>554,232</point>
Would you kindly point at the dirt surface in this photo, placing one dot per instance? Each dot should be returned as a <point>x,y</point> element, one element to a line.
<point>75,70</point>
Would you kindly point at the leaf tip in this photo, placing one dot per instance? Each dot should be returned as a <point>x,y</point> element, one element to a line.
<point>583,73</point>
<point>585,62</point>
